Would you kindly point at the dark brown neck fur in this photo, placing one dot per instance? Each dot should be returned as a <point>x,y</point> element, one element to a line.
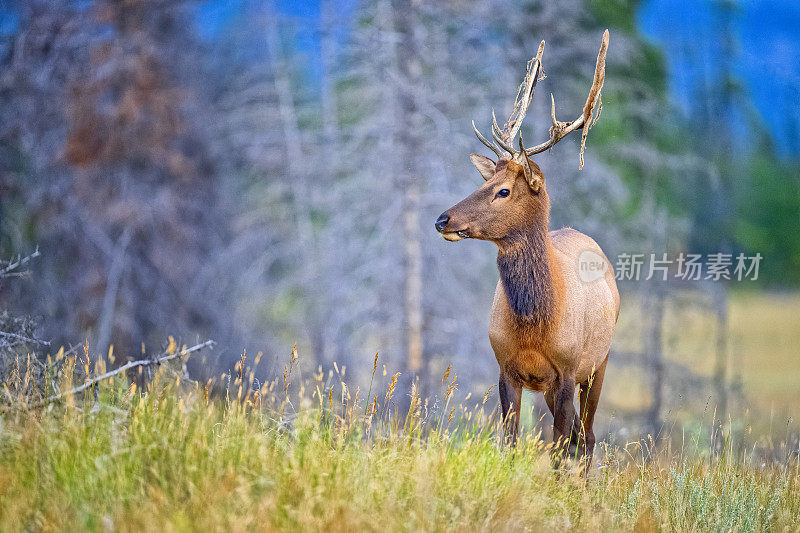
<point>523,262</point>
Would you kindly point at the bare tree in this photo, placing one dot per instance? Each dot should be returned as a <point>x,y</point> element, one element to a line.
<point>106,124</point>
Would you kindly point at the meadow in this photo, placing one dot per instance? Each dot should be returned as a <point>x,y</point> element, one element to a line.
<point>314,454</point>
<point>762,355</point>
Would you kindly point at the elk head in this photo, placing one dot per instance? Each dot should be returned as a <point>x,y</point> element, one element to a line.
<point>514,194</point>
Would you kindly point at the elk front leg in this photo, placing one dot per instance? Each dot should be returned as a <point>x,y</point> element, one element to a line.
<point>563,413</point>
<point>510,403</point>
<point>589,397</point>
<point>550,399</point>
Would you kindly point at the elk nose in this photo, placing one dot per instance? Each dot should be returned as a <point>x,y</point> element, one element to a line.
<point>441,222</point>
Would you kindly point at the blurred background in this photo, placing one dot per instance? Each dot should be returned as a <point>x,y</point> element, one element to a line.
<point>266,173</point>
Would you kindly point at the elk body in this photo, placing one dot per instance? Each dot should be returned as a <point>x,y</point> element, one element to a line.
<point>550,328</point>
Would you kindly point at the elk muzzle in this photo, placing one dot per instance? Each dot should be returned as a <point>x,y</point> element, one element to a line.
<point>448,233</point>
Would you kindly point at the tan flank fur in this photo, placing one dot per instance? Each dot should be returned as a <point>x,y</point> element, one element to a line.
<point>551,328</point>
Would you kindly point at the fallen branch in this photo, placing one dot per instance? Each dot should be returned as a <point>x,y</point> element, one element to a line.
<point>8,270</point>
<point>133,364</point>
<point>23,338</point>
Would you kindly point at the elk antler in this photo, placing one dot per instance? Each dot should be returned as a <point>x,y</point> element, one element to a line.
<point>558,130</point>
<point>505,136</point>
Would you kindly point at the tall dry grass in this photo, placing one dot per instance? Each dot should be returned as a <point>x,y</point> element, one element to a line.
<point>316,454</point>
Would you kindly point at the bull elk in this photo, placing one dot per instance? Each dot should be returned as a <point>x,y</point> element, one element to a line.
<point>550,327</point>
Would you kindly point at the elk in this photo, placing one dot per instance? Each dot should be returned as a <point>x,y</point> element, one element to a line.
<point>550,327</point>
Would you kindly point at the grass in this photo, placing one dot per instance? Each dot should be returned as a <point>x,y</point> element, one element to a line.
<point>313,456</point>
<point>763,341</point>
<point>765,331</point>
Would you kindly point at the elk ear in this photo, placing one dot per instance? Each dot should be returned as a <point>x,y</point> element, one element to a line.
<point>533,174</point>
<point>484,165</point>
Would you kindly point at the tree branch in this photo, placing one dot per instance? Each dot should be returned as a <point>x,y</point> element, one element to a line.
<point>13,265</point>
<point>23,338</point>
<point>133,364</point>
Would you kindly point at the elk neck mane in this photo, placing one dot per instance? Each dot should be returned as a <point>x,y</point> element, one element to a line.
<point>523,262</point>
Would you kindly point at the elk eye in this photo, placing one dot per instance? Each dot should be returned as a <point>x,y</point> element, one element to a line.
<point>502,193</point>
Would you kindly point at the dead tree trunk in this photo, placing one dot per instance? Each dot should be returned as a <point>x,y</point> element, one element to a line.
<point>297,173</point>
<point>329,151</point>
<point>721,357</point>
<point>410,145</point>
<point>654,294</point>
<point>110,297</point>
<point>654,309</point>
